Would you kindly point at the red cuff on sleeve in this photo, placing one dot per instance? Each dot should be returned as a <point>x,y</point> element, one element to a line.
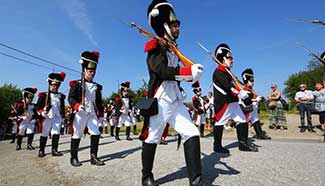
<point>76,106</point>
<point>40,112</point>
<point>185,71</point>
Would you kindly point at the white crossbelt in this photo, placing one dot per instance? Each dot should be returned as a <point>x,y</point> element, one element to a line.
<point>219,89</point>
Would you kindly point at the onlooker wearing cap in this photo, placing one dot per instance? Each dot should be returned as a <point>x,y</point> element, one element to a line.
<point>304,99</point>
<point>277,116</point>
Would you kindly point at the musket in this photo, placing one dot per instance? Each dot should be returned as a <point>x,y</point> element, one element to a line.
<point>314,21</point>
<point>145,84</point>
<point>83,87</point>
<point>25,106</point>
<point>237,82</point>
<point>172,45</point>
<point>313,54</point>
<point>47,100</point>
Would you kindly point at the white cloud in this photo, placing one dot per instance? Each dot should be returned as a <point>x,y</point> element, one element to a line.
<point>77,11</point>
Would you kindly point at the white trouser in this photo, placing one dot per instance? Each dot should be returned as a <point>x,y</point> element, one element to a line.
<point>51,123</point>
<point>199,119</point>
<point>124,119</point>
<point>234,112</point>
<point>134,120</point>
<point>112,120</point>
<point>14,127</point>
<point>27,126</point>
<point>253,116</point>
<point>177,116</point>
<point>83,119</point>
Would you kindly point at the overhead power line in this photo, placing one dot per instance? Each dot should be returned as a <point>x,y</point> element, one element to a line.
<point>25,61</point>
<point>41,59</point>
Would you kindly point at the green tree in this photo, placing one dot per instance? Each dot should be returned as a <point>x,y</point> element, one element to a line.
<point>315,72</point>
<point>9,95</point>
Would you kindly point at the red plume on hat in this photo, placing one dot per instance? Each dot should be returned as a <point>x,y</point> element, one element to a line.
<point>62,74</point>
<point>96,53</point>
<point>127,83</point>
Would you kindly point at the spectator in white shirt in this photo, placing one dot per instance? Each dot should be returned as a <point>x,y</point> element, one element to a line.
<point>304,99</point>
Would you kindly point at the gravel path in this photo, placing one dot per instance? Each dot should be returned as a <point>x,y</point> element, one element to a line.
<point>290,158</point>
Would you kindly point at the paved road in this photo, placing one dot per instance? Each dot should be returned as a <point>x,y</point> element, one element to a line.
<point>278,162</point>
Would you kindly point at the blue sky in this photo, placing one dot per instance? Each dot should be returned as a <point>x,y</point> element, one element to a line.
<point>258,32</point>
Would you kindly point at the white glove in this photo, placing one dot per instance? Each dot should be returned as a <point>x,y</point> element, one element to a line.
<point>23,117</point>
<point>243,94</point>
<point>81,108</point>
<point>44,115</point>
<point>183,95</point>
<point>259,98</point>
<point>197,70</point>
<point>33,121</point>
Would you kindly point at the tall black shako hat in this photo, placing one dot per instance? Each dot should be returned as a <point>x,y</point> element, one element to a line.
<point>323,55</point>
<point>247,75</point>
<point>56,78</point>
<point>125,86</point>
<point>160,16</point>
<point>89,60</point>
<point>222,50</point>
<point>196,87</point>
<point>29,92</point>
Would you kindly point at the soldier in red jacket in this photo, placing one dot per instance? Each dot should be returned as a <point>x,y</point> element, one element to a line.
<point>50,106</point>
<point>85,97</point>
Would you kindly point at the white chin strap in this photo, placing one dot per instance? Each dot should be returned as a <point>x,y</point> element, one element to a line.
<point>168,31</point>
<point>226,61</point>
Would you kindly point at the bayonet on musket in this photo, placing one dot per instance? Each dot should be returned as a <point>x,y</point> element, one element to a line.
<point>313,54</point>
<point>314,21</point>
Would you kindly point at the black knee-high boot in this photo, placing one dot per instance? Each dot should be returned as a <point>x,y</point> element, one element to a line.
<point>106,129</point>
<point>202,130</point>
<point>74,161</point>
<point>135,130</point>
<point>112,130</point>
<point>193,160</point>
<point>30,138</point>
<point>42,144</point>
<point>259,133</point>
<point>55,145</point>
<point>242,135</point>
<point>127,132</point>
<point>217,144</point>
<point>94,141</point>
<point>117,133</point>
<point>147,157</point>
<point>19,140</point>
<point>13,137</point>
<point>101,131</point>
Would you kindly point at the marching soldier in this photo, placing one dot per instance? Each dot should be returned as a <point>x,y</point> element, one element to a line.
<point>251,111</point>
<point>125,103</point>
<point>50,106</point>
<point>112,114</point>
<point>200,107</point>
<point>85,97</point>
<point>26,111</point>
<point>226,102</point>
<point>14,121</point>
<point>165,74</point>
